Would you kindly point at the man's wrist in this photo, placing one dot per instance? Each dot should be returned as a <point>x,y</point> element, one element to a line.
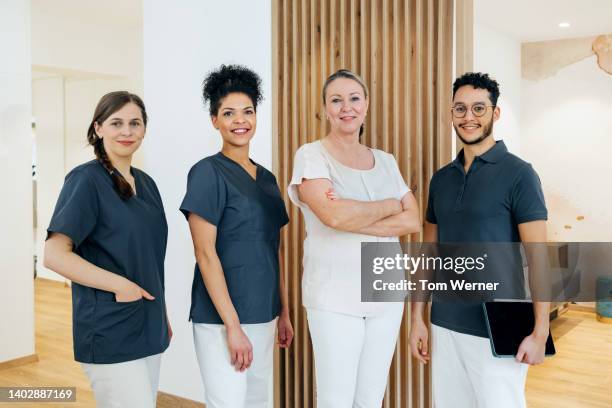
<point>540,334</point>
<point>417,318</point>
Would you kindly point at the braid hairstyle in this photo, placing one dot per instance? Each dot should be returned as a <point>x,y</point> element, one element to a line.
<point>109,104</point>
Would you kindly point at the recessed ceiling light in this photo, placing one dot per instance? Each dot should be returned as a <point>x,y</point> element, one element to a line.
<point>564,24</point>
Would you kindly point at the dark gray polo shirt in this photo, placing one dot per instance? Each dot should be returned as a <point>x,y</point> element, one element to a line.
<point>499,192</point>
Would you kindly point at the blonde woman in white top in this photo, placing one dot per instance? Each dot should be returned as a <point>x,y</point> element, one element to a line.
<point>348,194</point>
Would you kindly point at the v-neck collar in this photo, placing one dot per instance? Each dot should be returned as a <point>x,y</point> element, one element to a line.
<point>133,173</point>
<point>257,170</point>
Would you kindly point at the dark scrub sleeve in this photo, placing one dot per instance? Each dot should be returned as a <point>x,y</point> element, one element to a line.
<point>206,193</point>
<point>527,197</point>
<point>430,214</point>
<point>284,216</point>
<point>76,211</point>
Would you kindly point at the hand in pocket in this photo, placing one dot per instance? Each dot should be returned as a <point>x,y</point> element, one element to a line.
<point>131,292</point>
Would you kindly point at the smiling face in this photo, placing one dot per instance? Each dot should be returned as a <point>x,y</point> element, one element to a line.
<point>236,119</point>
<point>346,105</point>
<point>122,132</point>
<point>473,129</point>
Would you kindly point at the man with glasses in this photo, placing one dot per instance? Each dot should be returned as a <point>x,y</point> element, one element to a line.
<point>485,195</point>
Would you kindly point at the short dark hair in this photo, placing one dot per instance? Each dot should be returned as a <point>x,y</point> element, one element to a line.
<point>229,79</point>
<point>478,80</point>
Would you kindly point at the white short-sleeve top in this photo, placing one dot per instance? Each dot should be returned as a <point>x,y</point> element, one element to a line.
<point>332,258</point>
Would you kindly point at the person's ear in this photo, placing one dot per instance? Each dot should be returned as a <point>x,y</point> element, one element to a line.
<point>97,129</point>
<point>496,113</point>
<point>325,111</point>
<point>214,119</point>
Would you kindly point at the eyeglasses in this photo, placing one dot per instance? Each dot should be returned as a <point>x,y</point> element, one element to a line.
<point>478,110</point>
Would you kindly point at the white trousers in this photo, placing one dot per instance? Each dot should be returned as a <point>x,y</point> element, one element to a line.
<point>132,384</point>
<point>465,374</point>
<point>352,356</point>
<point>224,387</point>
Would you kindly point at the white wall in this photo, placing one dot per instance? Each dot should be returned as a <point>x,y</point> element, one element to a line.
<point>562,125</point>
<point>100,44</point>
<point>16,249</point>
<point>500,56</point>
<point>63,108</point>
<point>47,108</point>
<point>80,52</point>
<point>95,50</point>
<point>203,35</point>
<point>82,96</point>
<point>567,135</point>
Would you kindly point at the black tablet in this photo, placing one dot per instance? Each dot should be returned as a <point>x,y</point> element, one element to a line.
<point>508,323</point>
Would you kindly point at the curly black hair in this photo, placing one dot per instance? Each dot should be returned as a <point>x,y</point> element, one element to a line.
<point>228,79</point>
<point>478,80</point>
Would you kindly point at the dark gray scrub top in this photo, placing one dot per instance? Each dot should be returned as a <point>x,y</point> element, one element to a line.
<point>249,215</point>
<point>498,192</point>
<point>124,237</point>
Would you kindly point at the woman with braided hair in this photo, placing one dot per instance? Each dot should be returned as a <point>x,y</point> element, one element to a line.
<point>108,236</point>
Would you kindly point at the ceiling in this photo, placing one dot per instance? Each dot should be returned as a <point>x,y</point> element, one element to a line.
<point>112,12</point>
<point>538,20</point>
<point>525,20</point>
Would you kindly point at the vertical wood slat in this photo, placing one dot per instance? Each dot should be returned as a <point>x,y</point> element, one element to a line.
<point>352,39</point>
<point>385,40</point>
<point>405,160</point>
<point>345,55</point>
<point>374,68</point>
<point>403,50</point>
<point>418,59</point>
<point>299,130</point>
<point>323,65</point>
<point>464,36</point>
<point>277,35</point>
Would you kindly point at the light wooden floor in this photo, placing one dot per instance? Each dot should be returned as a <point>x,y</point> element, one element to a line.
<point>579,376</point>
<point>56,366</point>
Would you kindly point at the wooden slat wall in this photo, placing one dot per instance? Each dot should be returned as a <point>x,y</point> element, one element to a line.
<point>403,51</point>
<point>464,36</point>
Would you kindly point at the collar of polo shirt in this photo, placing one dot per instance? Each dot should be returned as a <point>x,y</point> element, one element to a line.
<point>493,155</point>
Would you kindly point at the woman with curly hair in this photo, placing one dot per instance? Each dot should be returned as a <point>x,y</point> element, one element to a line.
<point>235,213</point>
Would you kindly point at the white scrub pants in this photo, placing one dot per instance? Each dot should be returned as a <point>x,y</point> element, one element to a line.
<point>352,356</point>
<point>132,384</point>
<point>224,387</point>
<point>465,374</point>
